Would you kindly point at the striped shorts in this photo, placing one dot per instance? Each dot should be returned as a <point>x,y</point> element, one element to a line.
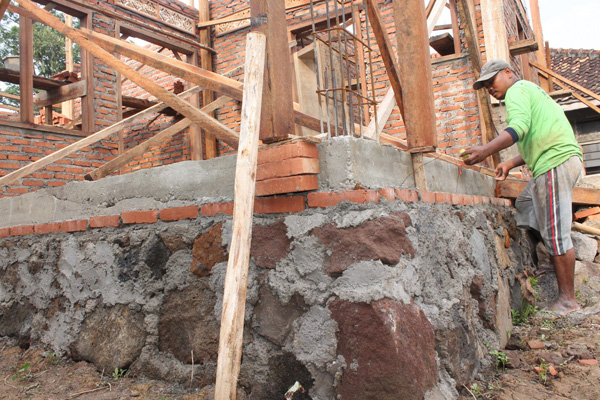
<point>546,205</point>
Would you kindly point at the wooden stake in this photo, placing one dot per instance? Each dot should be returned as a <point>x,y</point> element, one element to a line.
<point>65,151</point>
<point>234,298</point>
<point>206,62</point>
<point>197,116</point>
<point>26,66</point>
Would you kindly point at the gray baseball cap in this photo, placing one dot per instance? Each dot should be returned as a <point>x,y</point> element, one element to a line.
<point>489,70</point>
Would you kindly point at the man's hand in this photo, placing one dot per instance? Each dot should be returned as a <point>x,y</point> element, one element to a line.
<point>476,154</point>
<point>502,170</point>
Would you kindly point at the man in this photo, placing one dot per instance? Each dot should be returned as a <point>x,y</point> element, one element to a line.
<point>548,147</point>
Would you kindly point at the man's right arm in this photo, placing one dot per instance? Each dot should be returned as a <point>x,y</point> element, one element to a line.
<point>479,153</point>
<point>503,168</point>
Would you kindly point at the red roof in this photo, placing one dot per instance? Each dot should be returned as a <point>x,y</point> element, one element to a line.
<point>580,66</point>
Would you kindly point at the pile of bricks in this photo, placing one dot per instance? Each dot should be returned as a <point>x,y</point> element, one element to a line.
<point>589,214</point>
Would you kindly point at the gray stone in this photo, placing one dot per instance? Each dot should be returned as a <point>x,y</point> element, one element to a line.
<point>110,338</point>
<point>586,247</point>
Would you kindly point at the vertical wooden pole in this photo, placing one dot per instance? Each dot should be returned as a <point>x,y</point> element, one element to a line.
<point>195,132</point>
<point>88,123</point>
<point>206,62</point>
<point>540,54</point>
<point>412,42</point>
<point>26,66</point>
<point>3,6</point>
<point>549,66</point>
<point>67,106</point>
<point>362,72</point>
<point>234,297</point>
<point>268,17</point>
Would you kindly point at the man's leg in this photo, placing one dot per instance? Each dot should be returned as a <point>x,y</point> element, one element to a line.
<point>564,267</point>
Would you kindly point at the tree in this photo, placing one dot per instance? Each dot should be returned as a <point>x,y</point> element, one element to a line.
<point>48,48</point>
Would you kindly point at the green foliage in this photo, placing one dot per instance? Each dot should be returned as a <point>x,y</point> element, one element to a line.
<point>500,358</point>
<point>22,372</point>
<point>527,312</point>
<point>119,373</point>
<point>48,48</point>
<point>543,372</point>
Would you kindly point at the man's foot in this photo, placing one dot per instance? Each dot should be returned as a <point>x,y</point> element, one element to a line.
<point>563,307</point>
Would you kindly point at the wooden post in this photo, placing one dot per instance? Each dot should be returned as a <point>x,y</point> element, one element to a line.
<point>3,6</point>
<point>195,132</point>
<point>412,40</point>
<point>67,106</point>
<point>234,298</point>
<point>277,120</point>
<point>88,123</point>
<point>206,62</point>
<point>488,129</point>
<point>26,66</point>
<point>549,66</point>
<point>540,54</point>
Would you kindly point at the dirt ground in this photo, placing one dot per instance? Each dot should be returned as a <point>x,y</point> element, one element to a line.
<point>556,370</point>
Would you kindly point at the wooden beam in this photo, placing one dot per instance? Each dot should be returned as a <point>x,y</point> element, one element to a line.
<point>485,110</point>
<point>386,50</point>
<point>206,63</point>
<point>565,80</point>
<point>137,151</point>
<point>236,278</point>
<point>434,15</point>
<point>196,75</point>
<point>581,195</point>
<point>523,47</point>
<point>10,96</point>
<point>197,116</point>
<point>39,82</point>
<point>540,54</point>
<point>67,107</point>
<point>412,41</point>
<point>61,94</point>
<point>3,6</point>
<point>575,94</point>
<point>277,117</point>
<point>10,107</point>
<point>26,66</point>
<point>65,151</point>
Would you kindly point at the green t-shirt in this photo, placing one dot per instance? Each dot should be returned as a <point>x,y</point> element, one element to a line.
<point>546,138</point>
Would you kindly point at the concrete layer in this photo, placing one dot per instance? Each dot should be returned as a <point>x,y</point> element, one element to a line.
<point>345,163</point>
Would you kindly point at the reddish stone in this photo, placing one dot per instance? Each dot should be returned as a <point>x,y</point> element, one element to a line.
<point>208,250</point>
<point>369,241</point>
<point>4,232</point>
<point>387,193</point>
<point>289,184</point>
<point>536,344</point>
<point>179,213</point>
<point>46,228</point>
<point>139,217</point>
<point>104,221</point>
<point>389,347</point>
<point>590,363</point>
<point>269,244</point>
<point>77,225</point>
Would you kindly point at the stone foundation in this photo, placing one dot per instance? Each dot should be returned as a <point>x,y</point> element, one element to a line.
<point>356,301</point>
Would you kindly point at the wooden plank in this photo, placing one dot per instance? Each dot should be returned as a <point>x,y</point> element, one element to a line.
<point>67,107</point>
<point>277,110</point>
<point>26,66</point>
<point>443,44</point>
<point>39,82</point>
<point>523,47</point>
<point>61,94</point>
<point>88,111</point>
<point>206,63</point>
<point>540,54</point>
<point>197,116</point>
<point>565,80</point>
<point>434,15</point>
<point>10,107</point>
<point>236,278</point>
<point>386,50</point>
<point>137,151</point>
<point>65,151</point>
<point>581,195</point>
<point>384,111</point>
<point>10,96</point>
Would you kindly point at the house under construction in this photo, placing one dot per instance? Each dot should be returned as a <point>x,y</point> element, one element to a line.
<point>267,192</point>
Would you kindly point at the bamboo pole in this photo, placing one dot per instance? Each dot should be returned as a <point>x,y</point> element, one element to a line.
<point>65,151</point>
<point>234,298</point>
<point>585,228</point>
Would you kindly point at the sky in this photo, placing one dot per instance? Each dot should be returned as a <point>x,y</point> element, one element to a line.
<point>572,24</point>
